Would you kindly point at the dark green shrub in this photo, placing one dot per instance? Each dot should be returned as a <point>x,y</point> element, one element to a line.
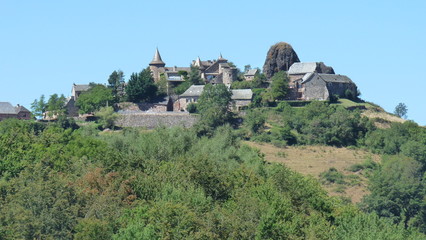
<point>333,176</point>
<point>191,108</point>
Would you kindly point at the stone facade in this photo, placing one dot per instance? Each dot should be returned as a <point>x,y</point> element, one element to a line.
<point>216,71</point>
<point>153,120</point>
<point>316,86</point>
<point>241,98</point>
<point>250,74</point>
<point>316,81</point>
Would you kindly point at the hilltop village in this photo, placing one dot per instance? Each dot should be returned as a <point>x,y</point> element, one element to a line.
<point>180,87</point>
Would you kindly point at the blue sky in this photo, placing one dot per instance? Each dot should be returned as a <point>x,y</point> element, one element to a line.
<point>46,46</point>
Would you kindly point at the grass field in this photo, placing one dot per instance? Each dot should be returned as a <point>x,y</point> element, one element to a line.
<point>313,160</point>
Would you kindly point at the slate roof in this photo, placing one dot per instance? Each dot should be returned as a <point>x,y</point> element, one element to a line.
<point>242,94</point>
<point>193,91</point>
<point>7,108</point>
<point>177,69</point>
<point>157,58</point>
<point>328,78</point>
<point>81,87</point>
<point>335,78</point>
<point>251,72</point>
<point>302,68</point>
<point>21,109</point>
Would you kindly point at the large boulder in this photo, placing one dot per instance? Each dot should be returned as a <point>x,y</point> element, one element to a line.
<point>322,68</point>
<point>279,58</point>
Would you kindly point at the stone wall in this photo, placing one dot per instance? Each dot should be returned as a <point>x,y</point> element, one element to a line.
<point>153,120</point>
<point>315,89</point>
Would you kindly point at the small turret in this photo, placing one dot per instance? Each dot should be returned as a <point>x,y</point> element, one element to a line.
<point>156,66</point>
<point>156,60</point>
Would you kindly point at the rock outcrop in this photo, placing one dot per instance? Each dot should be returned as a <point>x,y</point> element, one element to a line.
<point>279,58</point>
<point>322,68</point>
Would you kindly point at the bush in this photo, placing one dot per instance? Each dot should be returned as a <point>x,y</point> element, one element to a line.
<point>333,176</point>
<point>191,107</point>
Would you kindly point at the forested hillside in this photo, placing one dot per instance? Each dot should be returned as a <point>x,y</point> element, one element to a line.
<point>62,181</point>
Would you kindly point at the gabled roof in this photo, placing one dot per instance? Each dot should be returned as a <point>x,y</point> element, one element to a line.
<point>242,94</point>
<point>157,58</point>
<point>21,109</point>
<point>335,78</point>
<point>7,108</point>
<point>193,91</point>
<point>328,78</point>
<point>81,87</point>
<point>177,69</point>
<point>251,72</point>
<point>302,68</point>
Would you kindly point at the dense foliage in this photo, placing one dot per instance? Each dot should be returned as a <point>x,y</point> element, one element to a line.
<point>61,183</point>
<point>141,87</point>
<point>95,98</point>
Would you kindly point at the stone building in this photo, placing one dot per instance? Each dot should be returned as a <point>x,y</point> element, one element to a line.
<point>240,97</point>
<point>250,74</point>
<point>316,81</point>
<point>158,67</point>
<point>9,111</point>
<point>217,71</point>
<point>317,86</point>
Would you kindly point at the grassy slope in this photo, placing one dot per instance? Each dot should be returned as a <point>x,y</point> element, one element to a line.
<point>313,160</point>
<point>374,112</point>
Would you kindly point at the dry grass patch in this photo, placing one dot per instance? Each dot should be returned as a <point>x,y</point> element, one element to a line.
<point>313,160</point>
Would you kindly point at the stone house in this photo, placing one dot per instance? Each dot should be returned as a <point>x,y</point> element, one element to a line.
<point>218,71</point>
<point>240,97</point>
<point>317,86</point>
<point>316,81</point>
<point>250,74</point>
<point>9,111</point>
<point>77,89</point>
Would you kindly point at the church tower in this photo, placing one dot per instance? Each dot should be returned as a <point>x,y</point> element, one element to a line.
<point>157,66</point>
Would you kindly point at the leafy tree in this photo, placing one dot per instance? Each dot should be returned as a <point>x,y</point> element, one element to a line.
<point>401,110</point>
<point>116,83</point>
<point>279,86</point>
<point>141,87</point>
<point>194,76</point>
<point>107,117</point>
<point>38,107</point>
<point>397,191</point>
<point>56,105</point>
<point>162,85</point>
<point>255,121</point>
<point>96,97</point>
<point>213,106</point>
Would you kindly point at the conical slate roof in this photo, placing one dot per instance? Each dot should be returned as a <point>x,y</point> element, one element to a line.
<point>157,59</point>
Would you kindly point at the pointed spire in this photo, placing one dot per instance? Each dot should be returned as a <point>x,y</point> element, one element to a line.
<point>221,58</point>
<point>157,58</point>
<point>198,62</point>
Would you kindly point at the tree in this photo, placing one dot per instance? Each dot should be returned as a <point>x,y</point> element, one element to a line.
<point>141,87</point>
<point>107,117</point>
<point>279,87</point>
<point>116,83</point>
<point>213,105</point>
<point>96,97</point>
<point>397,191</point>
<point>401,110</point>
<point>194,76</point>
<point>56,105</point>
<point>38,107</point>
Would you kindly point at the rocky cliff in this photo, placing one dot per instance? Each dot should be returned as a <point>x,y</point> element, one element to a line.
<point>279,58</point>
